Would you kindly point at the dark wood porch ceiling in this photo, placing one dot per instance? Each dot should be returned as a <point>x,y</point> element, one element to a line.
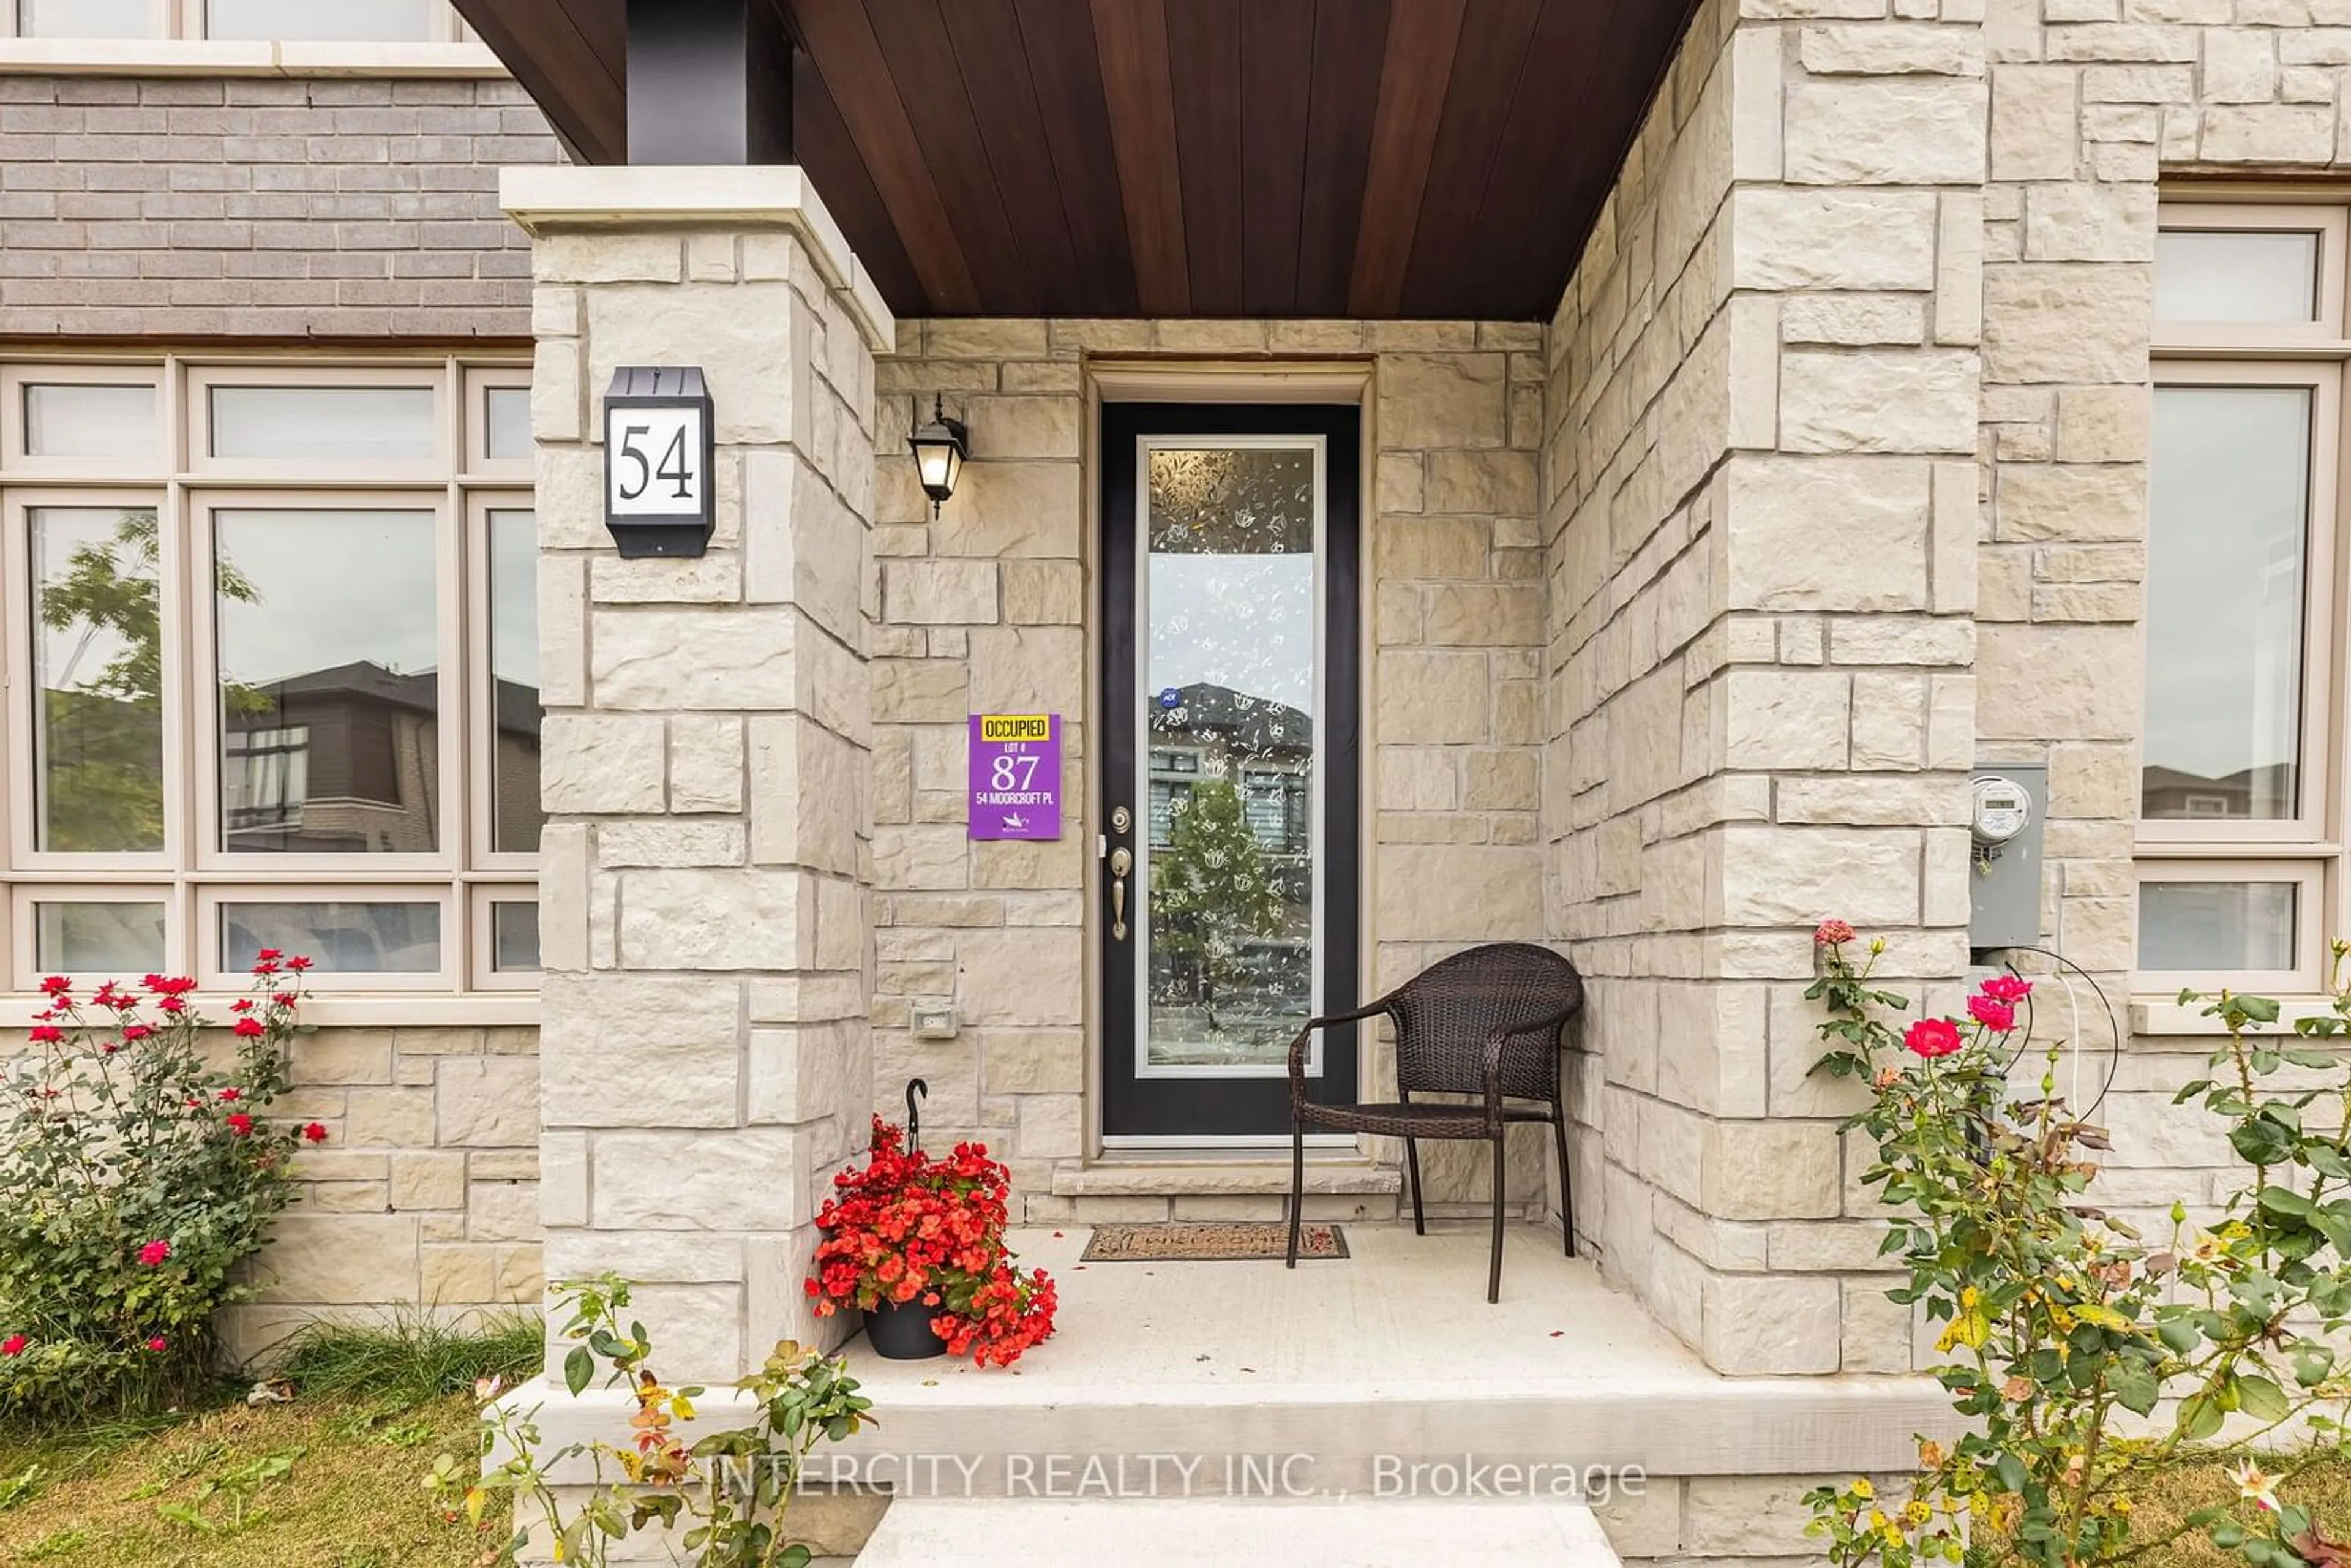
<point>1358,158</point>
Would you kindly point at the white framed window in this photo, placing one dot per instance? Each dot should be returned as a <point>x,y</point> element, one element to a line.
<point>2241,876</point>
<point>358,936</point>
<point>350,425</point>
<point>2248,275</point>
<point>240,21</point>
<point>278,619</point>
<point>505,925</point>
<point>102,928</point>
<point>92,18</point>
<point>109,421</point>
<point>498,422</point>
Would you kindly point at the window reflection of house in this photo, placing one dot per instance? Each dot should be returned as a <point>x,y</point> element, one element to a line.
<point>1277,798</point>
<point>1173,771</point>
<point>266,778</point>
<point>515,810</point>
<point>1265,749</point>
<point>2265,793</point>
<point>347,759</point>
<point>346,938</point>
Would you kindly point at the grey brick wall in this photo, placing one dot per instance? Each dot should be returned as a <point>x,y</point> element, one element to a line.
<point>263,207</point>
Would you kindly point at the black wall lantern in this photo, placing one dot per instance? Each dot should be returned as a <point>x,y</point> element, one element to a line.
<point>940,448</point>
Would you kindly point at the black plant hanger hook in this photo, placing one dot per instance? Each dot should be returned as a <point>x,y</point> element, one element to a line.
<point>915,1086</point>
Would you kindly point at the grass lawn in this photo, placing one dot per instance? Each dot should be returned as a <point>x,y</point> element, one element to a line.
<point>332,1483</point>
<point>2324,1487</point>
<point>332,1479</point>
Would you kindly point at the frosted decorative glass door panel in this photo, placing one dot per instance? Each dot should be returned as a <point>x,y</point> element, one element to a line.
<point>1228,704</point>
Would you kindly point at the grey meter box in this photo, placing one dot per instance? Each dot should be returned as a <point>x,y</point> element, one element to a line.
<point>2007,804</point>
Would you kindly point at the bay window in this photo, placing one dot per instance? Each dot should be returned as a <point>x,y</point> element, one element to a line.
<point>2239,843</point>
<point>279,625</point>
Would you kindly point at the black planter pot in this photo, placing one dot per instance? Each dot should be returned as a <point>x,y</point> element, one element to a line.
<point>901,1331</point>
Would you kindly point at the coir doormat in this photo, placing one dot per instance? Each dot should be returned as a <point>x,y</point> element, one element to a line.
<point>1210,1241</point>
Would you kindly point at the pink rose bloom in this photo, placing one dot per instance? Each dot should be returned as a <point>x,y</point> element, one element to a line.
<point>2007,989</point>
<point>14,1344</point>
<point>154,1252</point>
<point>157,1344</point>
<point>1931,1038</point>
<point>1832,933</point>
<point>1992,1013</point>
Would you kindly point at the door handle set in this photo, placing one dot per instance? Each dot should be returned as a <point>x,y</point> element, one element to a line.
<point>1121,863</point>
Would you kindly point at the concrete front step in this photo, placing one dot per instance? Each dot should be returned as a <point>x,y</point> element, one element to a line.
<point>1345,1370</point>
<point>1204,1532</point>
<point>1248,1188</point>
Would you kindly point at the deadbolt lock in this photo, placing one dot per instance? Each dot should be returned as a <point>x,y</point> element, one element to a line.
<point>1121,818</point>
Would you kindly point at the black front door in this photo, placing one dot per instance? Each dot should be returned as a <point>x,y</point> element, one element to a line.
<point>1231,747</point>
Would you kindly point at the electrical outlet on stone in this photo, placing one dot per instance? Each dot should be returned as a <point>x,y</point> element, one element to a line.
<point>935,1023</point>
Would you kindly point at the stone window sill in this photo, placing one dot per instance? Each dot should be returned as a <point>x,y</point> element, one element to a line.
<point>330,1010</point>
<point>2160,1016</point>
<point>203,58</point>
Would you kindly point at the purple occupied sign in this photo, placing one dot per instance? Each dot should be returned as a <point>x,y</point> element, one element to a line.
<point>1016,776</point>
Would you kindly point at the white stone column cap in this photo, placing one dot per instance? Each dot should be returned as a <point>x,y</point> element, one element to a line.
<point>571,198</point>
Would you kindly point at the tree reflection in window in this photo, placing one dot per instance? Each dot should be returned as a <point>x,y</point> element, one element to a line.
<point>99,660</point>
<point>1214,894</point>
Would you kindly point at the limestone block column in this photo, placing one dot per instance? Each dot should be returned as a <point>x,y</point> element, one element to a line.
<point>1761,502</point>
<point>706,859</point>
<point>1842,717</point>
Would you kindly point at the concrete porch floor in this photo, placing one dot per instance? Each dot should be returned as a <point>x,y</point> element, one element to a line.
<point>1403,1316</point>
<point>1351,1373</point>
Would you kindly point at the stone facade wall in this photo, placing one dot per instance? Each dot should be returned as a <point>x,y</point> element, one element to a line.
<point>425,1193</point>
<point>1724,1521</point>
<point>2093,101</point>
<point>705,924</point>
<point>169,211</point>
<point>1846,471</point>
<point>1759,508</point>
<point>987,609</point>
<point>182,208</point>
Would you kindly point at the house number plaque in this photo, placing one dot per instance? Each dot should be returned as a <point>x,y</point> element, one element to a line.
<point>658,449</point>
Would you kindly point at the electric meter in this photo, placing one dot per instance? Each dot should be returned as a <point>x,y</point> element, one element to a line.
<point>2001,809</point>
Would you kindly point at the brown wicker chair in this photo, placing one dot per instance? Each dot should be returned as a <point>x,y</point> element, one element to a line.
<point>1485,1022</point>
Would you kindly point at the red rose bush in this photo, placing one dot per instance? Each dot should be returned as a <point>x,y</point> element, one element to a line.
<point>906,1226</point>
<point>2090,1345</point>
<point>139,1170</point>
